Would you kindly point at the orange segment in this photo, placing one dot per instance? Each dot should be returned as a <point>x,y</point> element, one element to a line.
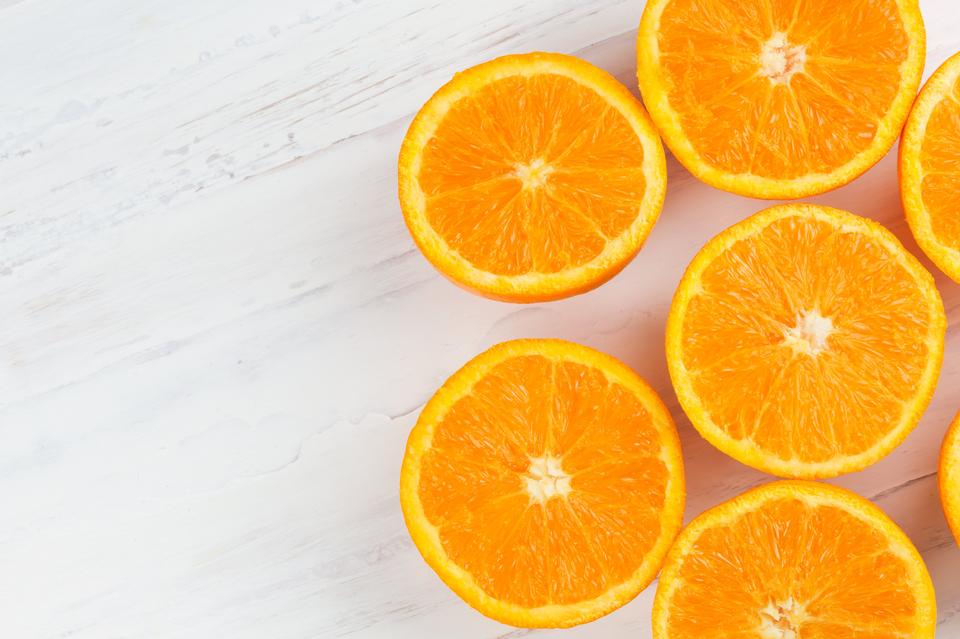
<point>792,560</point>
<point>930,168</point>
<point>779,98</point>
<point>543,482</point>
<point>805,341</point>
<point>531,177</point>
<point>949,476</point>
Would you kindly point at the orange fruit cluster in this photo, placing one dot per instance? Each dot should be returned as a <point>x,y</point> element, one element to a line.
<point>544,481</point>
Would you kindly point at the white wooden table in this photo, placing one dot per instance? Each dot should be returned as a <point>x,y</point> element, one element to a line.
<point>217,332</point>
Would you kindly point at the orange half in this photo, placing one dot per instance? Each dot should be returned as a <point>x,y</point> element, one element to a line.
<point>949,477</point>
<point>930,168</point>
<point>531,177</point>
<point>543,483</point>
<point>779,98</point>
<point>805,341</point>
<point>794,560</point>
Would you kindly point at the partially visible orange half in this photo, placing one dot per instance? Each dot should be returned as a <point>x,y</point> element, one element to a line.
<point>779,98</point>
<point>930,168</point>
<point>531,177</point>
<point>794,560</point>
<point>949,476</point>
<point>543,483</point>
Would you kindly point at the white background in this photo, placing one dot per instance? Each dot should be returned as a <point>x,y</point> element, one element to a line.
<point>217,332</point>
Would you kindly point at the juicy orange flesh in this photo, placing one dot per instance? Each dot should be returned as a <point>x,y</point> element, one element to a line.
<point>813,569</point>
<point>940,161</point>
<point>568,548</point>
<point>949,477</point>
<point>798,404</point>
<point>583,162</point>
<point>740,120</point>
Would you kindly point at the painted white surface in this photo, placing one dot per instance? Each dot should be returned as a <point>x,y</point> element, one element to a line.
<point>217,332</point>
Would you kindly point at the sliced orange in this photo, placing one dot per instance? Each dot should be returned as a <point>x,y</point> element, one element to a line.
<point>794,560</point>
<point>543,483</point>
<point>949,476</point>
<point>531,177</point>
<point>805,341</point>
<point>930,168</point>
<point>779,98</point>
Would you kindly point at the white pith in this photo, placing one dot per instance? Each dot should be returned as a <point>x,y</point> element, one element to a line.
<point>534,174</point>
<point>546,479</point>
<point>781,620</point>
<point>810,334</point>
<point>780,60</point>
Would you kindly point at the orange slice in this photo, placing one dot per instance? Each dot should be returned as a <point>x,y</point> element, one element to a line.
<point>805,341</point>
<point>531,177</point>
<point>949,476</point>
<point>543,483</point>
<point>930,168</point>
<point>794,560</point>
<point>779,98</point>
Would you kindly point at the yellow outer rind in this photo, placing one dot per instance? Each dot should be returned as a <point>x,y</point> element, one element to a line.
<point>530,287</point>
<point>814,493</point>
<point>655,97</point>
<point>939,86</point>
<point>949,477</point>
<point>748,452</point>
<point>426,536</point>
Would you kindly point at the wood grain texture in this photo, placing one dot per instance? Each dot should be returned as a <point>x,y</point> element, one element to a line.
<point>218,332</point>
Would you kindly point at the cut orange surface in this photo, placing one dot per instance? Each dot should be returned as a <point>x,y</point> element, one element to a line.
<point>531,177</point>
<point>543,483</point>
<point>794,560</point>
<point>930,168</point>
<point>805,341</point>
<point>779,98</point>
<point>949,477</point>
